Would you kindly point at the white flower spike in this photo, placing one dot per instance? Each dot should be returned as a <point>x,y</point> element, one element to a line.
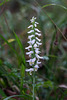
<point>33,48</point>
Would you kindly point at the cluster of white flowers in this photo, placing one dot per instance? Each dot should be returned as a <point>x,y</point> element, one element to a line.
<point>33,48</point>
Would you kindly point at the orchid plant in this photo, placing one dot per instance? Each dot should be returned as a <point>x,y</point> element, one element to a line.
<point>33,49</point>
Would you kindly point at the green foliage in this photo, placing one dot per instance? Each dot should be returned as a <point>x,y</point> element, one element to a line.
<point>3,2</point>
<point>45,84</point>
<point>2,93</point>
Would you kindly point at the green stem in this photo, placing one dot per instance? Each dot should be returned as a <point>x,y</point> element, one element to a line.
<point>33,65</point>
<point>34,85</point>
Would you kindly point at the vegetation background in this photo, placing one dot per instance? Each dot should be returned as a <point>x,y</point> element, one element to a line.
<point>51,78</point>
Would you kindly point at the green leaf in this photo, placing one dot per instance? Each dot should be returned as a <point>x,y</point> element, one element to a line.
<point>52,56</point>
<point>45,84</point>
<point>47,5</point>
<point>24,96</point>
<point>2,93</point>
<point>2,83</point>
<point>48,84</point>
<point>21,47</point>
<point>22,76</point>
<point>22,70</point>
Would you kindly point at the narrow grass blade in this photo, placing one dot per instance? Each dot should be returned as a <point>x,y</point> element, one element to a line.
<point>47,5</point>
<point>22,76</point>
<point>21,47</point>
<point>24,96</point>
<point>22,70</point>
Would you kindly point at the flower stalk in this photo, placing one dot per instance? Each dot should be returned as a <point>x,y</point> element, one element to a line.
<point>33,50</point>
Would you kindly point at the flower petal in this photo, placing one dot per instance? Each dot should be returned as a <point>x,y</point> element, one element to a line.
<point>28,53</point>
<point>37,30</point>
<point>37,52</point>
<point>36,23</point>
<point>30,70</point>
<point>38,62</point>
<point>29,37</point>
<point>39,43</point>
<point>35,46</point>
<point>38,39</point>
<point>36,67</point>
<point>30,31</point>
<point>30,26</point>
<point>28,47</point>
<point>37,34</point>
<point>31,42</point>
<point>39,57</point>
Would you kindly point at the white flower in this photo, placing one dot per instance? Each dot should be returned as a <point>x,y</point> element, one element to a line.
<point>30,31</point>
<point>29,53</point>
<point>31,42</point>
<point>39,43</point>
<point>28,47</point>
<point>37,34</point>
<point>30,26</point>
<point>36,67</point>
<point>29,37</point>
<point>33,19</point>
<point>37,30</point>
<point>38,57</point>
<point>35,46</point>
<point>38,62</point>
<point>30,70</point>
<point>37,52</point>
<point>38,39</point>
<point>36,23</point>
<point>31,61</point>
